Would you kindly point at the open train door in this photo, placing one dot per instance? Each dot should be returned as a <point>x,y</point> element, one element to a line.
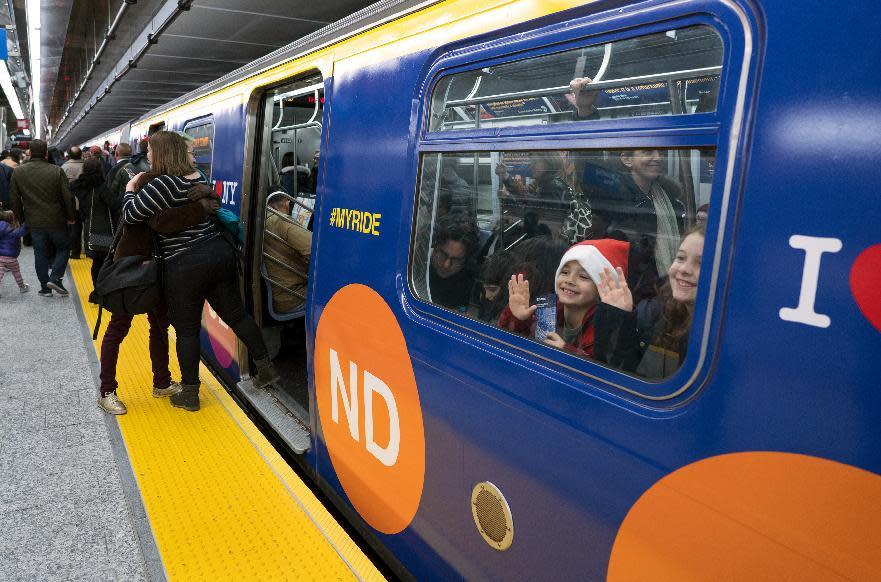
<point>287,131</point>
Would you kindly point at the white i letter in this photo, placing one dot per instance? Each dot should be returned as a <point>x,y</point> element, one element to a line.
<point>814,247</point>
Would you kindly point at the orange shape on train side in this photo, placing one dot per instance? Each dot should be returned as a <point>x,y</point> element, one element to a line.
<point>754,516</point>
<point>369,407</point>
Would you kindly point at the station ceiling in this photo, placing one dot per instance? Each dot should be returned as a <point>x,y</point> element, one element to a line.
<point>158,50</point>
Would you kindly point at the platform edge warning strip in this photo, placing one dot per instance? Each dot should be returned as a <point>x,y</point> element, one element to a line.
<point>220,500</point>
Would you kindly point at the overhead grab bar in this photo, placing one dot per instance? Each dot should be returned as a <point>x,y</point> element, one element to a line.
<point>598,86</point>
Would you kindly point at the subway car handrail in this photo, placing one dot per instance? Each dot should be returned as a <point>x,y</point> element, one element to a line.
<point>672,75</point>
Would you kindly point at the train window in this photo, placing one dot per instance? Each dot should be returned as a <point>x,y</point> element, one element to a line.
<point>671,73</point>
<point>297,111</point>
<point>554,220</point>
<point>202,132</point>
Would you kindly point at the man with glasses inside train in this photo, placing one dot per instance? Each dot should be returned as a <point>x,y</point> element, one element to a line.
<point>451,276</point>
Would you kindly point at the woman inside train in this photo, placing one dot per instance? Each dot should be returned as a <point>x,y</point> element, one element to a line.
<point>199,263</point>
<point>624,340</point>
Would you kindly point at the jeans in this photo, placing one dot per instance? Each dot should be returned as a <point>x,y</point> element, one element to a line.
<point>50,242</point>
<point>76,237</point>
<point>117,329</point>
<point>98,258</point>
<point>206,272</point>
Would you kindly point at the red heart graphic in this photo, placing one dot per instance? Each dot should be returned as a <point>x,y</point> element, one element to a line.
<point>865,284</point>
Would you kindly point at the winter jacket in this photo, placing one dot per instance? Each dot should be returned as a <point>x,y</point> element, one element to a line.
<point>119,176</point>
<point>585,345</point>
<point>114,172</point>
<point>137,239</point>
<point>294,177</point>
<point>294,251</point>
<point>41,195</point>
<point>72,169</point>
<point>99,207</point>
<point>10,239</point>
<point>5,179</point>
<point>619,341</point>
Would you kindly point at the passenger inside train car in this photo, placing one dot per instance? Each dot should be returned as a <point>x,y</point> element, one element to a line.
<point>493,290</point>
<point>286,249</point>
<point>521,200</point>
<point>451,272</point>
<point>569,316</point>
<point>607,194</point>
<point>653,343</point>
<point>294,177</point>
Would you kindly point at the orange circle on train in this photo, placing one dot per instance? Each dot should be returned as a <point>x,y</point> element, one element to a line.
<point>368,404</point>
<point>759,515</point>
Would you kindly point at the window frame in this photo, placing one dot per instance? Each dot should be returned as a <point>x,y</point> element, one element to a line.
<point>200,122</point>
<point>722,130</point>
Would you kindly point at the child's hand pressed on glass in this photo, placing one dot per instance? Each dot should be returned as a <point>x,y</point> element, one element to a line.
<point>518,297</point>
<point>615,292</point>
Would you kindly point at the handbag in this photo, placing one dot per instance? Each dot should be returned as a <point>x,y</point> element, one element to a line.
<point>130,284</point>
<point>99,242</point>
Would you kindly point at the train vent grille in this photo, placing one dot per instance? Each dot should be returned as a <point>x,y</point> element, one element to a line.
<point>492,516</point>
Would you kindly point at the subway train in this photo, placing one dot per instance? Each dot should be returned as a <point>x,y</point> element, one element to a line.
<point>461,448</point>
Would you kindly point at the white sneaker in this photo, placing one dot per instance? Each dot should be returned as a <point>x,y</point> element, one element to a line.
<point>111,404</point>
<point>24,288</point>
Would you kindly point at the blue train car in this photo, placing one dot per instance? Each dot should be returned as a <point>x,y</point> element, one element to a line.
<point>723,424</point>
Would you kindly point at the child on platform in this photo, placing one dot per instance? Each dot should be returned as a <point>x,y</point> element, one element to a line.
<point>10,248</point>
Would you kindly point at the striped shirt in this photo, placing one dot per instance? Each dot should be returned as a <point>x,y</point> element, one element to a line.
<point>160,194</point>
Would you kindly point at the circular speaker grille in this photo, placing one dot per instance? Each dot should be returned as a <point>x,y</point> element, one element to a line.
<point>492,516</point>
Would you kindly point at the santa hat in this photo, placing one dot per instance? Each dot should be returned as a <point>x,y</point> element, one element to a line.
<point>596,255</point>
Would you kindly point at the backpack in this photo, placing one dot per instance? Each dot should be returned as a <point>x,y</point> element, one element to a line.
<point>130,284</point>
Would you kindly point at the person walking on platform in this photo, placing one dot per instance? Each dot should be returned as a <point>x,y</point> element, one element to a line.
<point>100,210</point>
<point>41,197</point>
<point>123,172</point>
<point>10,248</point>
<point>123,156</point>
<point>73,167</point>
<point>200,265</point>
<point>8,163</point>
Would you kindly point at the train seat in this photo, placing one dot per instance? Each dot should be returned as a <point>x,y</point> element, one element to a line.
<point>284,316</point>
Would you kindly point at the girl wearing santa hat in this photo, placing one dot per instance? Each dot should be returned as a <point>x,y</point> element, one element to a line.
<point>576,283</point>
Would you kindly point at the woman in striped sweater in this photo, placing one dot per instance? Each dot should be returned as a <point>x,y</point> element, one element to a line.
<point>200,266</point>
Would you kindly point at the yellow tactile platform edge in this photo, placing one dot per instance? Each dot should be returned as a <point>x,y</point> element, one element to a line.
<point>221,502</point>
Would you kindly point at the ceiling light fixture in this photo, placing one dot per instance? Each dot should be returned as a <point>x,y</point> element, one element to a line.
<point>9,90</point>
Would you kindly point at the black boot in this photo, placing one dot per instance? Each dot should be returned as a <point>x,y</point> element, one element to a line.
<point>187,398</point>
<point>266,374</point>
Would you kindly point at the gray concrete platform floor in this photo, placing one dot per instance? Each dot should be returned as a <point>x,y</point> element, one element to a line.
<point>69,509</point>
